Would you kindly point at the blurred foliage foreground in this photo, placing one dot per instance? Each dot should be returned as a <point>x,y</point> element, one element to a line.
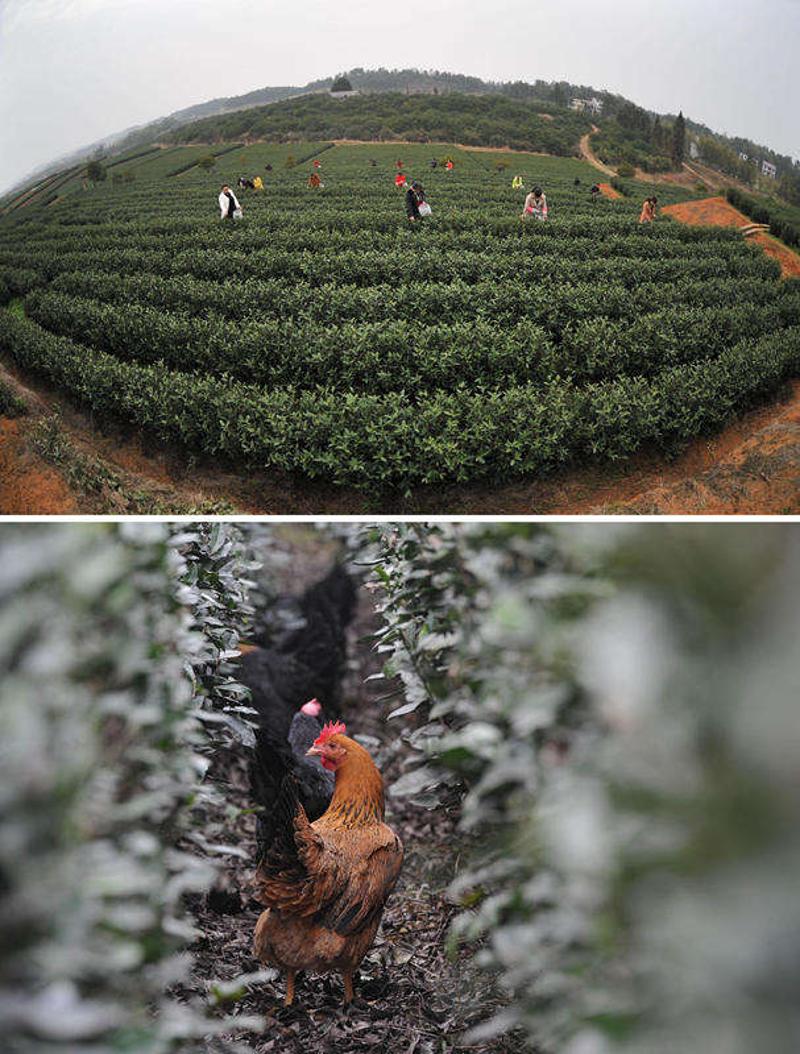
<point>613,711</point>
<point>114,646</point>
<point>618,707</point>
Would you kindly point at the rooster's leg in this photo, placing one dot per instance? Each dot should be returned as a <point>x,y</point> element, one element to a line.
<point>289,988</point>
<point>347,977</point>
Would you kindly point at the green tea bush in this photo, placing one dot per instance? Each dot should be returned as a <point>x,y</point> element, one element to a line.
<point>114,642</point>
<point>585,698</point>
<point>784,221</point>
<point>394,441</point>
<point>323,337</point>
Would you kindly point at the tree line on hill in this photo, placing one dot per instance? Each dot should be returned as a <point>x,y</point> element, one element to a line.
<point>470,119</point>
<point>632,136</point>
<point>636,138</point>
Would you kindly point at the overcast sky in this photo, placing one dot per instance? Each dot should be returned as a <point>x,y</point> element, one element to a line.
<point>74,71</point>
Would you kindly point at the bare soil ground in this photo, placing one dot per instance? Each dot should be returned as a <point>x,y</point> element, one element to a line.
<point>710,212</point>
<point>87,473</point>
<point>411,998</point>
<point>609,192</point>
<point>28,485</point>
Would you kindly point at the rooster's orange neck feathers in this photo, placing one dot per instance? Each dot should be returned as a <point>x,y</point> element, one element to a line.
<point>358,795</point>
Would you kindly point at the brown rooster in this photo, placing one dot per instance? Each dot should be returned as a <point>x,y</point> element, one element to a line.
<point>325,884</point>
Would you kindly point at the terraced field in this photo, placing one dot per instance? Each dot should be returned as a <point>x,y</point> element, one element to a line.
<point>325,338</point>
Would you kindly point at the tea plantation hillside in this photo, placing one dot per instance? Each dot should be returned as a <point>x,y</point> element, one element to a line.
<point>325,337</point>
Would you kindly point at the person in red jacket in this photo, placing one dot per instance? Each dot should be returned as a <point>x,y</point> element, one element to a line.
<point>400,180</point>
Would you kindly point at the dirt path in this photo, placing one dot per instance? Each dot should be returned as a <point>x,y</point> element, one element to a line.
<point>691,173</point>
<point>409,996</point>
<point>589,155</point>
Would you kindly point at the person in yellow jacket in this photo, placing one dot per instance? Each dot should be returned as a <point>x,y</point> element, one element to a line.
<point>258,183</point>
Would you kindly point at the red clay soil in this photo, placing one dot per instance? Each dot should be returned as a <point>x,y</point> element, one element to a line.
<point>750,469</point>
<point>28,485</point>
<point>760,477</point>
<point>786,257</point>
<point>710,212</point>
<point>608,191</point>
<point>717,212</point>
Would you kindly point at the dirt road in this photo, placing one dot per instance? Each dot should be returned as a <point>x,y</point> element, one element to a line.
<point>589,155</point>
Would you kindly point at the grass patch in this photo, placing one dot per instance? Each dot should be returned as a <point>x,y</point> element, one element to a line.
<point>10,403</point>
<point>95,478</point>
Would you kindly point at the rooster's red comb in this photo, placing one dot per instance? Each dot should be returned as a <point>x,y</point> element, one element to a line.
<point>333,728</point>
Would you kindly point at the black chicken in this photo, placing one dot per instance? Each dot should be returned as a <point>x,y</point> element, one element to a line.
<point>272,762</point>
<point>303,656</point>
<point>294,672</point>
<point>314,782</point>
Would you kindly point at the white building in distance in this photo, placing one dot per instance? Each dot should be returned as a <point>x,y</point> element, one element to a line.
<point>594,106</point>
<point>769,169</point>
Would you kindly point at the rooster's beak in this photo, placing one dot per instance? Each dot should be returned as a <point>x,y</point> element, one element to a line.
<point>314,752</point>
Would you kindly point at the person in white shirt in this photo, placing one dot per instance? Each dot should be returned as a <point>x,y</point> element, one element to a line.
<point>228,203</point>
<point>535,205</point>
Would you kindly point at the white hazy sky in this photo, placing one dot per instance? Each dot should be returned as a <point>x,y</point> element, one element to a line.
<point>74,71</point>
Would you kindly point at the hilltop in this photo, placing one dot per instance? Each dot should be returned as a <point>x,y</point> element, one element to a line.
<point>475,120</point>
<point>629,134</point>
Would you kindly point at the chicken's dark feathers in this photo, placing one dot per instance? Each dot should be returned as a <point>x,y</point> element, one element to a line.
<point>301,656</point>
<point>305,659</point>
<point>303,730</point>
